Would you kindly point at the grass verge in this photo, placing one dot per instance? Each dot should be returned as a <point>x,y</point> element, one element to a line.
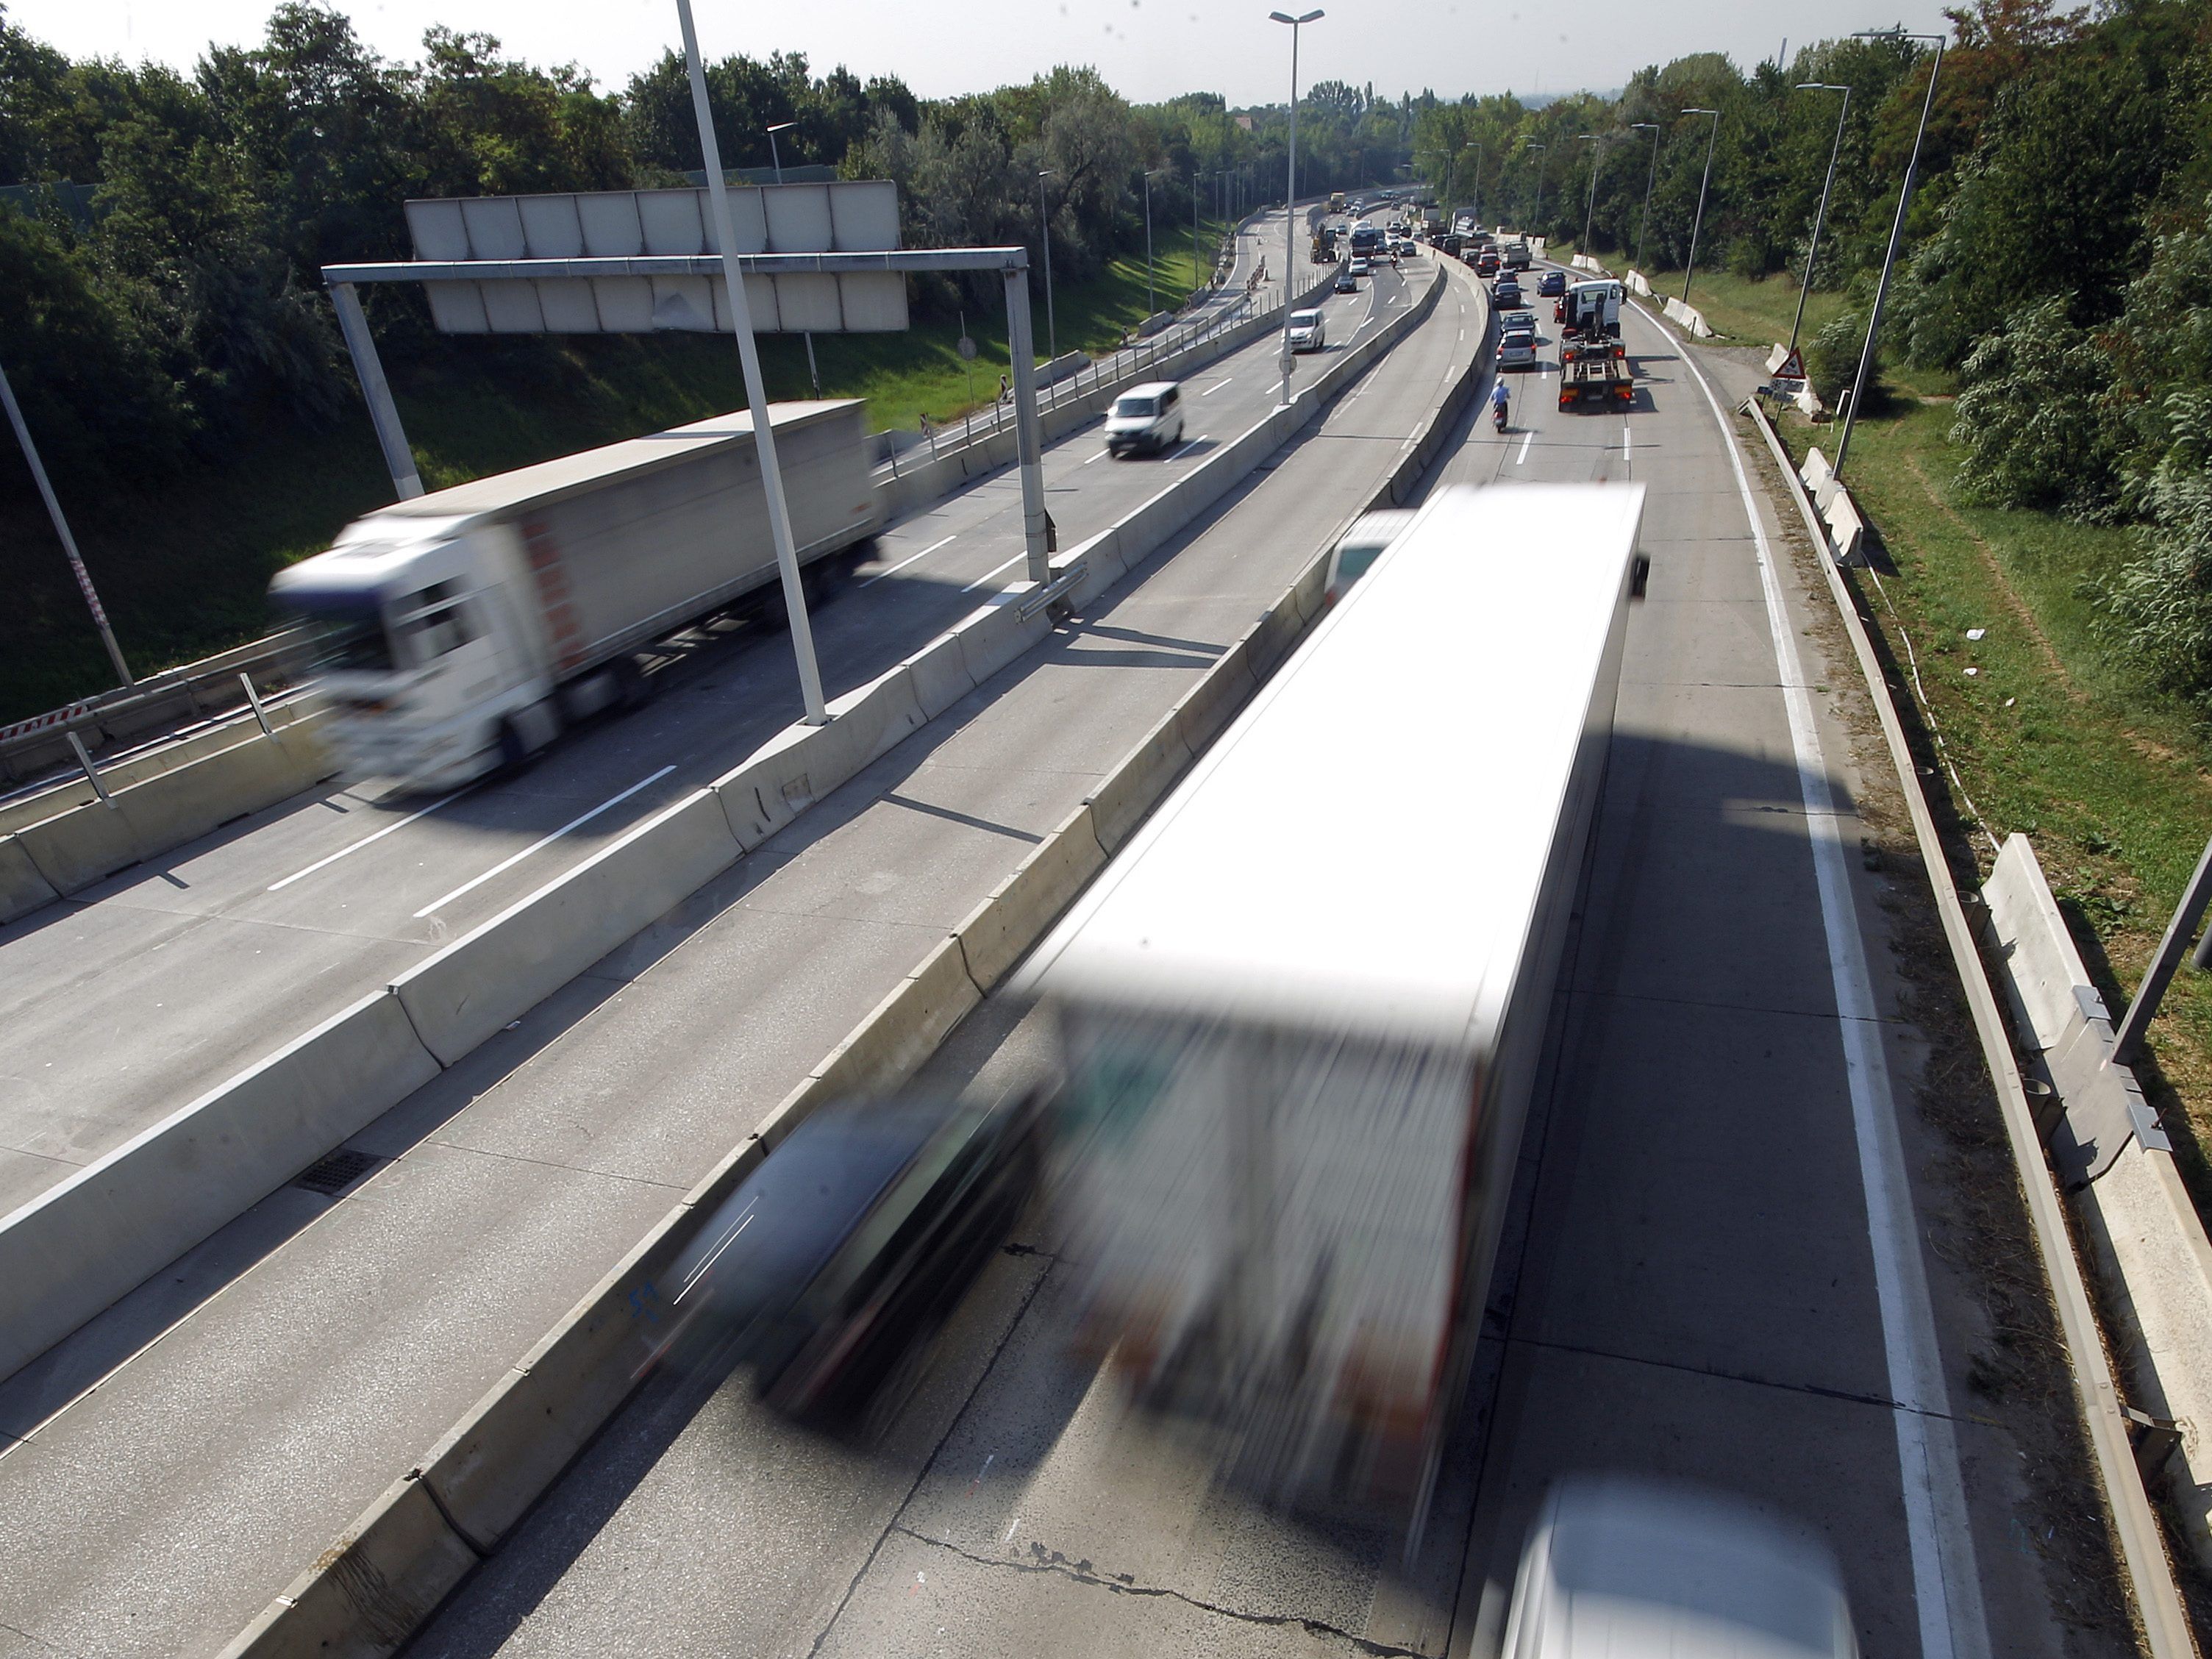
<point>183,564</point>
<point>2052,733</point>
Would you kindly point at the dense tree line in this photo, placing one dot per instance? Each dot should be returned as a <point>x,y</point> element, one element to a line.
<point>186,304</point>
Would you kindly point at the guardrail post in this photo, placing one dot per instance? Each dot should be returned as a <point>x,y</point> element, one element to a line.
<point>91,772</point>
<point>254,698</point>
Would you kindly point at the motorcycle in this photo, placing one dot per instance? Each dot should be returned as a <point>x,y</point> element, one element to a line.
<point>1497,418</point>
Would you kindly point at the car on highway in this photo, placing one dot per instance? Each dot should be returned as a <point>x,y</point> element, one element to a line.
<point>1308,331</point>
<point>1620,1568</point>
<point>1551,284</point>
<point>1408,247</point>
<point>1518,340</point>
<point>1361,264</point>
<point>1147,417</point>
<point>828,1269</point>
<point>1485,262</point>
<point>1505,293</point>
<point>1369,537</point>
<point>1346,281</point>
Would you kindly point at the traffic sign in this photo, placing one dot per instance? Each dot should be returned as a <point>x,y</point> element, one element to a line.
<point>1793,368</point>
<point>967,347</point>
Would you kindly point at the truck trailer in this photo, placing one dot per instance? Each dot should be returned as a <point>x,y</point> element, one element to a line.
<point>1298,1047</point>
<point>1592,361</point>
<point>464,629</point>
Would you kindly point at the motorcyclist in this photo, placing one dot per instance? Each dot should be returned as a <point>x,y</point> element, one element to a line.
<point>1500,398</point>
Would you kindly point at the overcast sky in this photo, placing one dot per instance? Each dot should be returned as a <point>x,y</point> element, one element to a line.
<point>1147,49</point>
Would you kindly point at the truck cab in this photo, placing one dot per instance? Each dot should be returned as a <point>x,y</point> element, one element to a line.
<point>419,644</point>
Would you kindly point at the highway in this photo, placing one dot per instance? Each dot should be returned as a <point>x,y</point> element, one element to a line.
<point>1739,1254</point>
<point>171,1468</point>
<point>298,911</point>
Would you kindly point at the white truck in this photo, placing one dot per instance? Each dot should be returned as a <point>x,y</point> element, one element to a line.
<point>1301,1012</point>
<point>463,629</point>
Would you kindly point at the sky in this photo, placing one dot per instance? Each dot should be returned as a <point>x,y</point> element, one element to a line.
<point>1147,50</point>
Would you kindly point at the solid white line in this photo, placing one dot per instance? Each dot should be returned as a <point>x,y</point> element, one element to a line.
<point>1089,459</point>
<point>987,574</point>
<point>1627,453</point>
<point>1215,387</point>
<point>366,840</point>
<point>1946,1588</point>
<point>1528,438</point>
<point>908,560</point>
<point>1186,448</point>
<point>509,863</point>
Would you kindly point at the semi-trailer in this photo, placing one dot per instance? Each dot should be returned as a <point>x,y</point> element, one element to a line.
<point>464,629</point>
<point>1300,1014</point>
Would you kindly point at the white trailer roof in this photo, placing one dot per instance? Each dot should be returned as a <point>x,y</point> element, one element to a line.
<point>569,474</point>
<point>1365,845</point>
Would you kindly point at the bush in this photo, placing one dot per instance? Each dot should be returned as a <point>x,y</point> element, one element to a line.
<point>2029,414</point>
<point>1832,360</point>
<point>2160,607</point>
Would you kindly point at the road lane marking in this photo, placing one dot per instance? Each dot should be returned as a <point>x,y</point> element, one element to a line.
<point>987,574</point>
<point>366,840</point>
<point>1101,455</point>
<point>908,560</point>
<point>1186,449</point>
<point>508,863</point>
<point>1216,387</point>
<point>1527,438</point>
<point>1946,1589</point>
<point>1627,453</point>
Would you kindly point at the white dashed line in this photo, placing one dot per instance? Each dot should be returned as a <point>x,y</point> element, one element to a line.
<point>908,560</point>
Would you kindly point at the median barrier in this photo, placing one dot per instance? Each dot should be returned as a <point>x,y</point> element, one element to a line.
<point>84,1244</point>
<point>23,888</point>
<point>999,931</point>
<point>184,804</point>
<point>996,632</point>
<point>83,846</point>
<point>510,1447</point>
<point>801,763</point>
<point>500,971</point>
<point>940,676</point>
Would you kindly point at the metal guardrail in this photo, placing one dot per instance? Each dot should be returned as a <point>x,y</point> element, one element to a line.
<point>158,707</point>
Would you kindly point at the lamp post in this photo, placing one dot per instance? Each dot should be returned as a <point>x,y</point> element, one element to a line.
<point>779,510</point>
<point>775,159</point>
<point>61,528</point>
<point>1476,207</point>
<point>1698,223</point>
<point>1535,219</point>
<point>1896,235</point>
<point>1820,214</point>
<point>1590,207</point>
<point>1291,218</point>
<point>1044,236</point>
<point>1650,177</point>
<point>1151,301</point>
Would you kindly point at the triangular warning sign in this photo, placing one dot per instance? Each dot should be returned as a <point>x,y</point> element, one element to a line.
<point>1793,368</point>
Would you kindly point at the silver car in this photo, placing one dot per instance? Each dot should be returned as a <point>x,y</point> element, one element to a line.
<point>1617,1568</point>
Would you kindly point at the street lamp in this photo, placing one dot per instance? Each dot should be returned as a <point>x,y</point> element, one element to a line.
<point>1536,219</point>
<point>1650,177</point>
<point>1698,223</point>
<point>1044,235</point>
<point>1590,209</point>
<point>1291,212</point>
<point>775,159</point>
<point>1151,301</point>
<point>1896,234</point>
<point>1821,215</point>
<point>1476,209</point>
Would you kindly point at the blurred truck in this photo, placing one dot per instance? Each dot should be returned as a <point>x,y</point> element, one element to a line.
<point>464,629</point>
<point>1301,1013</point>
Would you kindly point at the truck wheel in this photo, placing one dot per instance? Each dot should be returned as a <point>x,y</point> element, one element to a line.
<point>514,753</point>
<point>633,688</point>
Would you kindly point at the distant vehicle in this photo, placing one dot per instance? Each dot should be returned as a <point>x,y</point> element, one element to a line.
<point>1397,228</point>
<point>1505,293</point>
<point>1486,263</point>
<point>465,628</point>
<point>1308,331</point>
<point>1147,417</point>
<point>1618,1569</point>
<point>1336,201</point>
<point>1593,360</point>
<point>1345,283</point>
<point>1288,1130</point>
<point>1369,537</point>
<point>1551,284</point>
<point>1518,256</point>
<point>1406,248</point>
<point>847,1246</point>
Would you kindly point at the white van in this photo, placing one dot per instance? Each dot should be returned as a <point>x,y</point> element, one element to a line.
<point>1309,332</point>
<point>1147,417</point>
<point>1371,535</point>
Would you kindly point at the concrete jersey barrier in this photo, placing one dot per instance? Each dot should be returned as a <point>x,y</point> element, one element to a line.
<point>496,972</point>
<point>385,1575</point>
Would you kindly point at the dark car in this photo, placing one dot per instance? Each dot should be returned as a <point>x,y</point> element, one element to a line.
<point>1485,263</point>
<point>1505,293</point>
<point>1551,284</point>
<point>1345,283</point>
<point>850,1245</point>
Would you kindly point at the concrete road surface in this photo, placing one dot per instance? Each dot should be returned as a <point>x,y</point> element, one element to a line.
<point>1717,1268</point>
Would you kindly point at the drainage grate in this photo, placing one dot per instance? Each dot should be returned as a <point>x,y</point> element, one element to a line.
<point>340,1171</point>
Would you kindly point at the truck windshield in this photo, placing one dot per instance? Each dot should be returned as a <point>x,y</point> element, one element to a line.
<point>345,632</point>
